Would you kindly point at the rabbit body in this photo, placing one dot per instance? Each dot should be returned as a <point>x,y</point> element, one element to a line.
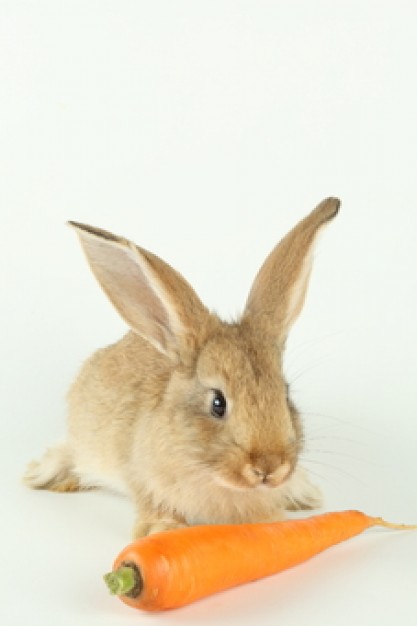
<point>189,414</point>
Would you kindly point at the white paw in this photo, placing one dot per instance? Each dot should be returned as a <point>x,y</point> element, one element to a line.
<point>53,467</point>
<point>142,529</point>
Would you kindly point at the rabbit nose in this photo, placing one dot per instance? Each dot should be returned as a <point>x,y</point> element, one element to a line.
<point>260,474</point>
<point>270,465</point>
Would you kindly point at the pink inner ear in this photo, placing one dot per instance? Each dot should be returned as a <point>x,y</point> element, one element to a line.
<point>154,299</point>
<point>119,273</point>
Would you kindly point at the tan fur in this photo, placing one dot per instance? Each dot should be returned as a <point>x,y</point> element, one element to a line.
<point>140,410</point>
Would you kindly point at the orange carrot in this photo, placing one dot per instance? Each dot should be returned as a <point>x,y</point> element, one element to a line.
<point>173,568</point>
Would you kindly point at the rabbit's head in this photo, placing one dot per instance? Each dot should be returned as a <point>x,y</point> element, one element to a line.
<point>225,402</point>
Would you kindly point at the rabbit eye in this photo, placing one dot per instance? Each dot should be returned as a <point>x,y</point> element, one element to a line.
<point>219,404</point>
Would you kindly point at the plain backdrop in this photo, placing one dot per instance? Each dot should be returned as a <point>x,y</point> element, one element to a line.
<point>204,130</point>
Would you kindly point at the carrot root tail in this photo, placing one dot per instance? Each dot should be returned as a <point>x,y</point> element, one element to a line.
<point>379,521</point>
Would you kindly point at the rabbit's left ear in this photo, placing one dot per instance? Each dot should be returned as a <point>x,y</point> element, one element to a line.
<point>153,298</point>
<point>279,289</point>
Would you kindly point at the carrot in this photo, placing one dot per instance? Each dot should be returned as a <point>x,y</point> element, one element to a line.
<point>176,567</point>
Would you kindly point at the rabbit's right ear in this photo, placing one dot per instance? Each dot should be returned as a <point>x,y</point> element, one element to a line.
<point>279,289</point>
<point>154,299</point>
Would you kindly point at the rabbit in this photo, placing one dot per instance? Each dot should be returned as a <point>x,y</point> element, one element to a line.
<point>188,414</point>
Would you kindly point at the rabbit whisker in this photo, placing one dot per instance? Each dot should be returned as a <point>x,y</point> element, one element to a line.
<point>310,367</point>
<point>334,468</point>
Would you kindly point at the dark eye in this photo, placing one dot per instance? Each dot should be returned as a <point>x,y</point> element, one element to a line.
<point>219,404</point>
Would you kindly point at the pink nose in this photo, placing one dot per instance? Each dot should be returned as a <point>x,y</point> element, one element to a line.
<point>265,465</point>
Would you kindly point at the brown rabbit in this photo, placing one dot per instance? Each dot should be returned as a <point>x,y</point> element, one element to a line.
<point>188,414</point>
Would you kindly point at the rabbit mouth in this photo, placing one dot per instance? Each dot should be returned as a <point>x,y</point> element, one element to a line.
<point>251,477</point>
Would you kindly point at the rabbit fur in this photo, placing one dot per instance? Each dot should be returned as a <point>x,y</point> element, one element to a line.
<point>189,414</point>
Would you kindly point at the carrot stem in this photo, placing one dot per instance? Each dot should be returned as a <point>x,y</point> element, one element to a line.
<point>121,581</point>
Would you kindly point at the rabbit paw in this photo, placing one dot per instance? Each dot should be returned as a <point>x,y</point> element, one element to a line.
<point>54,471</point>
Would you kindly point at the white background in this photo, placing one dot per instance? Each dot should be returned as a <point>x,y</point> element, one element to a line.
<point>204,131</point>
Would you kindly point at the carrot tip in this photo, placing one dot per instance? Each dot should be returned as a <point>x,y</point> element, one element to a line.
<point>121,581</point>
<point>379,521</point>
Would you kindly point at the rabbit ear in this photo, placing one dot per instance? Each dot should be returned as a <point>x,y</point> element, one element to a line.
<point>154,299</point>
<point>279,289</point>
